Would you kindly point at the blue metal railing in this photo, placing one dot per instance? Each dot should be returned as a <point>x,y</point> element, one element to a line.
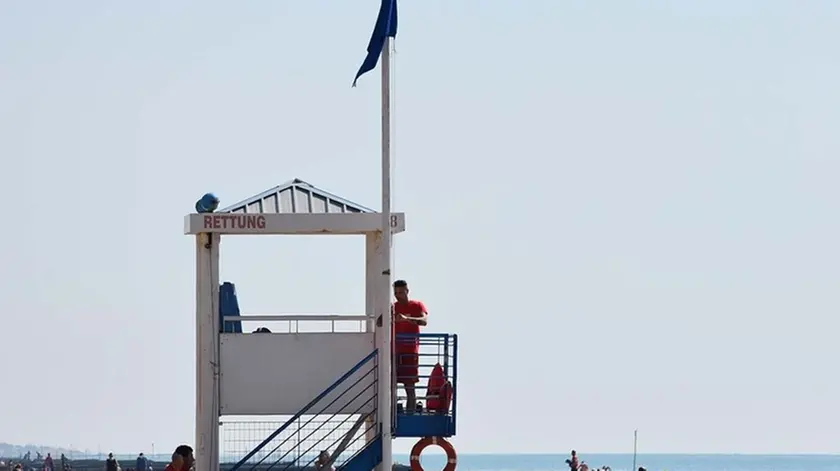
<point>357,389</point>
<point>432,349</point>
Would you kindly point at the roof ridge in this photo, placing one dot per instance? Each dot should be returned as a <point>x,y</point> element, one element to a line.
<point>298,183</point>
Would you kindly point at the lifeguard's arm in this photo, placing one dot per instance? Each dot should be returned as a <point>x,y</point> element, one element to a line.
<point>422,320</point>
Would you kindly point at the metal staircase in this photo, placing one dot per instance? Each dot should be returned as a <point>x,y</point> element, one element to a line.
<point>341,421</point>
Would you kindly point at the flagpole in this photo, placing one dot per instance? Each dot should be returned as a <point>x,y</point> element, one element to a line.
<point>386,383</point>
<point>635,443</point>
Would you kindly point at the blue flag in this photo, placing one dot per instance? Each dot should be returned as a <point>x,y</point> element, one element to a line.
<point>386,26</point>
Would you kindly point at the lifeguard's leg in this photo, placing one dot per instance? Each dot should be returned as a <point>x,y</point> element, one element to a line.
<point>410,398</point>
<point>407,375</point>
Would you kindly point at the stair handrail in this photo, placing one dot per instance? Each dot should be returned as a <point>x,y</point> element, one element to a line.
<point>377,441</point>
<point>346,439</point>
<point>331,417</point>
<point>334,458</point>
<point>305,409</point>
<point>318,442</point>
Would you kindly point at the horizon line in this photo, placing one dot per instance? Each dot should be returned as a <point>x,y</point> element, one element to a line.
<point>524,453</point>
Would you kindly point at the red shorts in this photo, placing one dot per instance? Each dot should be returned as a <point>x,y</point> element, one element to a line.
<point>406,365</point>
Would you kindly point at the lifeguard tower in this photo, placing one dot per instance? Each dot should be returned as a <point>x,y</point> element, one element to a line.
<point>336,387</point>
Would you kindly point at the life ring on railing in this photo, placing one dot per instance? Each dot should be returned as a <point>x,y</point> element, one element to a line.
<point>451,456</point>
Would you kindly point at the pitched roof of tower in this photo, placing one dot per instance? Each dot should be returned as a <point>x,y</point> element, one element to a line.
<point>296,197</point>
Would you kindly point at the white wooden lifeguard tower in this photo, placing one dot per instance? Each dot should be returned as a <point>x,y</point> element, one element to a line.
<point>330,374</point>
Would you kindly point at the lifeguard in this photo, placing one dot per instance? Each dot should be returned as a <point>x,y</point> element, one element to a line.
<point>408,316</point>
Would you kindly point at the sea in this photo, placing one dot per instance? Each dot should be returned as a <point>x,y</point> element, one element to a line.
<point>624,462</point>
<point>432,461</point>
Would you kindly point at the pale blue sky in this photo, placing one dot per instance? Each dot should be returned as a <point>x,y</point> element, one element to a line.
<point>627,210</point>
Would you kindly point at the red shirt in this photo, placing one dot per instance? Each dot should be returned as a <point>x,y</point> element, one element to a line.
<point>410,309</point>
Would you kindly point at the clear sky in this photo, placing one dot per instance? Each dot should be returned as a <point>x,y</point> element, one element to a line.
<point>627,210</point>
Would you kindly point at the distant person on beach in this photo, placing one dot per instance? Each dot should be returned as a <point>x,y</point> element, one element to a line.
<point>48,463</point>
<point>142,464</point>
<point>111,464</point>
<point>323,462</point>
<point>574,464</point>
<point>182,459</point>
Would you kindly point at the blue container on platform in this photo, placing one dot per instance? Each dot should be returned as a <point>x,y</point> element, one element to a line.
<point>228,306</point>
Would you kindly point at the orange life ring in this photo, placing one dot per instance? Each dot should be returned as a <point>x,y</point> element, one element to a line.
<point>451,456</point>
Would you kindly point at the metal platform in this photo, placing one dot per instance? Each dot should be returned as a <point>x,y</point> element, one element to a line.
<point>424,425</point>
<point>434,349</point>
